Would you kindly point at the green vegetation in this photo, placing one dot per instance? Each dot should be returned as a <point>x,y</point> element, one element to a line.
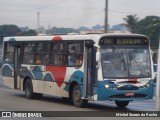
<point>131,21</point>
<point>13,30</point>
<point>149,26</point>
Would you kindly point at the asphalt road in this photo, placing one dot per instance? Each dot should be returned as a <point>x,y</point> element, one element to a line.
<point>13,100</point>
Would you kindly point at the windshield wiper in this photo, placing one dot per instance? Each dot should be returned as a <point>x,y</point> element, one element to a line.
<point>132,58</point>
<point>123,60</point>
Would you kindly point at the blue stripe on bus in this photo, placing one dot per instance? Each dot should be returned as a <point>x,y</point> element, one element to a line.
<point>77,77</point>
<point>23,74</point>
<point>7,70</point>
<point>37,72</point>
<point>48,77</point>
<point>12,39</point>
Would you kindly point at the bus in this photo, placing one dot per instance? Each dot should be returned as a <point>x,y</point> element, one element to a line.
<point>93,67</point>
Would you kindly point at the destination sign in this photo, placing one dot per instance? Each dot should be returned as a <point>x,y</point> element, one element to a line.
<point>123,41</point>
<point>129,41</point>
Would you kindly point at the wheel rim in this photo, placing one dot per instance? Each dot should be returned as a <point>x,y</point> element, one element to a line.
<point>27,89</point>
<point>77,95</point>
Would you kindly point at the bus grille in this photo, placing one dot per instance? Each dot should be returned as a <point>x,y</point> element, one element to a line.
<point>123,96</point>
<point>128,87</point>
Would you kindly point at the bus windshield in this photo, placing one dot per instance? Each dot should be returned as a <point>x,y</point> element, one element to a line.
<point>119,61</point>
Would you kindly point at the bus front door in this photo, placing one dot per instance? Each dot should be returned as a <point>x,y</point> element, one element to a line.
<point>17,59</point>
<point>90,78</point>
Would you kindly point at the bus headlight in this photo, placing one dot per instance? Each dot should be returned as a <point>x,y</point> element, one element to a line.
<point>114,88</point>
<point>106,85</point>
<point>148,85</point>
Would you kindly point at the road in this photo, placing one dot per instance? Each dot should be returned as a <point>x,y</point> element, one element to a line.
<point>13,100</point>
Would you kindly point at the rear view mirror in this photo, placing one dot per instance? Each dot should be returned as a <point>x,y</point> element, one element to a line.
<point>98,55</point>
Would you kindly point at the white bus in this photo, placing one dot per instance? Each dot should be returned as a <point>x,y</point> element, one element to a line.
<point>115,67</point>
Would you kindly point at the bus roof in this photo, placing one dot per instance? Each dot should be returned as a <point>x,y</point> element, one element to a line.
<point>94,37</point>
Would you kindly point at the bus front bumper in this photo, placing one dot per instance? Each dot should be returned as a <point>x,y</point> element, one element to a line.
<point>104,93</point>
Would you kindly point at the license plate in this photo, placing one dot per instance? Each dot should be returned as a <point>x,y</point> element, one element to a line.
<point>129,94</point>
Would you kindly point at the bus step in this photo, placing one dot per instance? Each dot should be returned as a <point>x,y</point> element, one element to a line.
<point>88,98</point>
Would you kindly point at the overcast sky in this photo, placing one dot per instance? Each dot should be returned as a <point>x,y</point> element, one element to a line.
<point>73,13</point>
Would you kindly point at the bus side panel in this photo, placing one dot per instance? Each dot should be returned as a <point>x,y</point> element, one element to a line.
<point>8,81</point>
<point>8,75</point>
<point>53,89</point>
<point>47,79</point>
<point>49,87</point>
<point>75,76</point>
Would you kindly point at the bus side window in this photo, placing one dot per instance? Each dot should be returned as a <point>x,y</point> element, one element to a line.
<point>46,59</point>
<point>72,55</point>
<point>60,59</point>
<point>9,52</point>
<point>28,58</point>
<point>28,53</point>
<point>42,53</point>
<point>75,54</point>
<point>79,60</point>
<point>9,57</point>
<point>38,60</point>
<point>58,54</point>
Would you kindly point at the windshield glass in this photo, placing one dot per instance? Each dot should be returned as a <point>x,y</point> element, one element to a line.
<point>120,61</point>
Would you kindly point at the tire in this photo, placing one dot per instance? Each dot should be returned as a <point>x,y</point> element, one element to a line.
<point>29,89</point>
<point>38,95</point>
<point>121,104</point>
<point>76,97</point>
<point>67,100</point>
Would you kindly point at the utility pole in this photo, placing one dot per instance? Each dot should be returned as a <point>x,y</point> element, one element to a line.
<point>38,21</point>
<point>158,82</point>
<point>106,18</point>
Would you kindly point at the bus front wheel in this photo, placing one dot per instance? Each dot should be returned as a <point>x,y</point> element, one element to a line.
<point>76,97</point>
<point>29,89</point>
<point>122,104</point>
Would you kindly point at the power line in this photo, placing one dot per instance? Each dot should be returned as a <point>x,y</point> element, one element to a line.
<point>88,17</point>
<point>138,13</point>
<point>42,7</point>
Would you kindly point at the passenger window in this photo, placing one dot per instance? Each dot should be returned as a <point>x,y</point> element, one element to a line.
<point>9,53</point>
<point>75,54</point>
<point>66,54</point>
<point>58,54</point>
<point>58,48</point>
<point>28,53</point>
<point>42,56</point>
<point>36,53</point>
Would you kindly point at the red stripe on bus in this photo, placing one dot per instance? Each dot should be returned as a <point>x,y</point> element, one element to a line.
<point>57,38</point>
<point>58,73</point>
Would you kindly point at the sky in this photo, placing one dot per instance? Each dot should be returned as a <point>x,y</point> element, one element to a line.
<point>73,13</point>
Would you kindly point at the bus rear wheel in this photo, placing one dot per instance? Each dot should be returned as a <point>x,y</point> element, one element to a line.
<point>122,104</point>
<point>38,95</point>
<point>76,97</point>
<point>29,89</point>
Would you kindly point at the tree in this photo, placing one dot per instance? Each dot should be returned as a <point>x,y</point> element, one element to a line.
<point>8,30</point>
<point>56,30</point>
<point>13,30</point>
<point>131,21</point>
<point>149,26</point>
<point>29,33</point>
